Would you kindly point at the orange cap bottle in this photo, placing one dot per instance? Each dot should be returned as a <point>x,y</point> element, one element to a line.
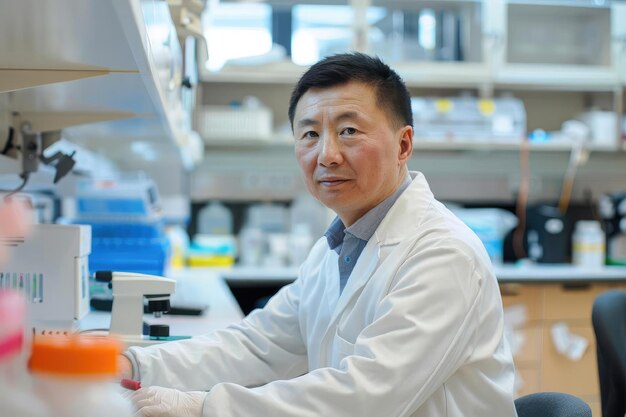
<point>78,356</point>
<point>72,376</point>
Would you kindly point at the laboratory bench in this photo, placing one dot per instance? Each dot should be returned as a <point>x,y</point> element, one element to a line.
<point>538,300</point>
<point>201,288</point>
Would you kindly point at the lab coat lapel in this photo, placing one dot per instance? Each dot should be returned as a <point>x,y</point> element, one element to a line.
<point>332,281</point>
<point>365,266</point>
<point>391,231</point>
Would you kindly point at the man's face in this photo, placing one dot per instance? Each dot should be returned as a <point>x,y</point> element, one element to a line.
<point>351,156</point>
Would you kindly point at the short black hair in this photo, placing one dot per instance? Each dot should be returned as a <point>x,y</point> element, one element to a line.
<point>391,92</point>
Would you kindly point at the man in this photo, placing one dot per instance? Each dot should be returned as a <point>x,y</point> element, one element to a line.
<point>395,312</point>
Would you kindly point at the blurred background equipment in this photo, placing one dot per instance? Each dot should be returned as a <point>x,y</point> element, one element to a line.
<point>612,208</point>
<point>126,222</point>
<point>469,118</point>
<point>30,146</point>
<point>588,245</point>
<point>491,226</point>
<point>50,268</point>
<point>547,235</point>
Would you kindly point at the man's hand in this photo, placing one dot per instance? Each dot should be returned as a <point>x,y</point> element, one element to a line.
<point>167,402</point>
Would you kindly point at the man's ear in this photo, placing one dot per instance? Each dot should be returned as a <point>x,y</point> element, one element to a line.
<point>406,143</point>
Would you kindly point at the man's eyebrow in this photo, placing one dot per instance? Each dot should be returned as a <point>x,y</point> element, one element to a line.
<point>307,122</point>
<point>349,115</point>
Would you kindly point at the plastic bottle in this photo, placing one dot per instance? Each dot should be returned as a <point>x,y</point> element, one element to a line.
<point>588,245</point>
<point>300,242</point>
<point>307,210</point>
<point>270,218</point>
<point>73,374</point>
<point>215,219</point>
<point>179,242</point>
<point>252,246</point>
<point>17,398</point>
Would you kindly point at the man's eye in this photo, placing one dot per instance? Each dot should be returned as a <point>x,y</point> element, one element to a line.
<point>310,134</point>
<point>349,131</point>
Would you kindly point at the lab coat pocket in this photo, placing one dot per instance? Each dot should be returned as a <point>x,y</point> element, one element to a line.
<point>341,349</point>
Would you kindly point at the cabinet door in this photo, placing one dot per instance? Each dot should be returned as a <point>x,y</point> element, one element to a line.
<point>568,45</point>
<point>571,302</point>
<point>559,373</point>
<point>568,34</point>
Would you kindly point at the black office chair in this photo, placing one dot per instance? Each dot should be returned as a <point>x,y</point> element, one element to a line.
<point>609,324</point>
<point>551,404</point>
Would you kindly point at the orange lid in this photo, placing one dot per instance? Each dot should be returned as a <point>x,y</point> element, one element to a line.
<point>75,355</point>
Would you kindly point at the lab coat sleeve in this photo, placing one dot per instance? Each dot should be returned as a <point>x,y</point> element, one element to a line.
<point>424,329</point>
<point>267,345</point>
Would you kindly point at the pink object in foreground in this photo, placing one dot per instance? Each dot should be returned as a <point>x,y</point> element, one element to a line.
<point>130,384</point>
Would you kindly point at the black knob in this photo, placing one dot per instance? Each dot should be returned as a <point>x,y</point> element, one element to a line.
<point>161,306</point>
<point>159,330</point>
<point>104,276</point>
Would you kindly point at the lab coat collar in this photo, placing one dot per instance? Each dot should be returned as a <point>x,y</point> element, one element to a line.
<point>391,231</point>
<point>407,213</point>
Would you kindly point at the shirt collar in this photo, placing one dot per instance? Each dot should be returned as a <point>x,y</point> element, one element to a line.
<point>365,226</point>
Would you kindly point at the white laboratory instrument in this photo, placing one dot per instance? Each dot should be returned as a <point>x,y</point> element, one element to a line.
<point>50,268</point>
<point>468,118</point>
<point>129,291</point>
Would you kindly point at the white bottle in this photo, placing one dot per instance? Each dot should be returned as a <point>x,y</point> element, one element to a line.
<point>73,375</point>
<point>252,246</point>
<point>215,219</point>
<point>588,245</point>
<point>300,242</point>
<point>17,399</point>
<point>306,209</point>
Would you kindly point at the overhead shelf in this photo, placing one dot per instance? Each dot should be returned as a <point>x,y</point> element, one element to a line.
<point>87,61</point>
<point>448,75</point>
<point>557,77</point>
<point>426,74</point>
<point>495,145</point>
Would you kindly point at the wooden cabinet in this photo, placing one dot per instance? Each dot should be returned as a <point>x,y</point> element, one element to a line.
<point>539,366</point>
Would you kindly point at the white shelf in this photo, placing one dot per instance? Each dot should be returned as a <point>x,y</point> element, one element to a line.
<point>557,77</point>
<point>495,145</point>
<point>283,72</point>
<point>449,75</point>
<point>91,57</point>
<point>414,74</point>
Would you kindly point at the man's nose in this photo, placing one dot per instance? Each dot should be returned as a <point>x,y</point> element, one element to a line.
<point>330,151</point>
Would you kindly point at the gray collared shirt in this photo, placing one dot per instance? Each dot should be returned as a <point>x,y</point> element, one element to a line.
<point>350,242</point>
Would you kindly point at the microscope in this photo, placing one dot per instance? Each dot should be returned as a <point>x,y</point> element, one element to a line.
<point>129,291</point>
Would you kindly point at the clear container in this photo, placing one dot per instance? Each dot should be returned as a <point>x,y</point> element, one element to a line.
<point>17,398</point>
<point>215,219</point>
<point>307,210</point>
<point>252,246</point>
<point>588,243</point>
<point>300,242</point>
<point>270,218</point>
<point>73,376</point>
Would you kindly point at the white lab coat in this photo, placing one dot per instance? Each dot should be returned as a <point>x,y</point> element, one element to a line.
<point>417,331</point>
